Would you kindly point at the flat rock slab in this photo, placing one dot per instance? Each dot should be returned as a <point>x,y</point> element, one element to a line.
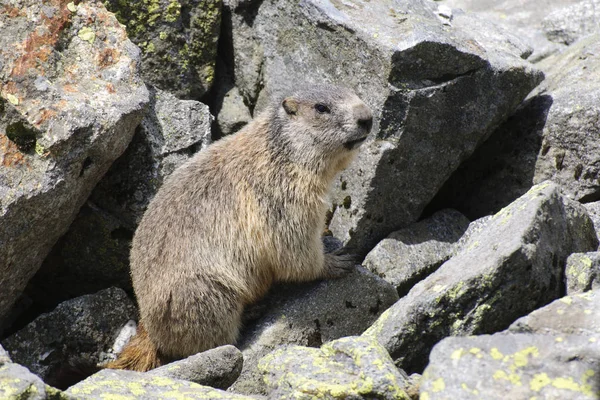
<point>513,366</point>
<point>70,100</point>
<point>348,368</point>
<point>583,272</point>
<point>81,328</point>
<point>438,88</point>
<point>120,384</point>
<point>217,368</point>
<point>511,267</point>
<point>310,315</point>
<point>410,254</point>
<point>578,314</point>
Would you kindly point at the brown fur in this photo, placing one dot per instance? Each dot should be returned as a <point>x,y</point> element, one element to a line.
<point>139,355</point>
<point>238,216</point>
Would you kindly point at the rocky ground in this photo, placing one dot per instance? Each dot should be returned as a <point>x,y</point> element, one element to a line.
<point>474,205</point>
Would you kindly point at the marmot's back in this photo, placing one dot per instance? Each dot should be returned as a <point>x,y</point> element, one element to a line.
<point>245,212</point>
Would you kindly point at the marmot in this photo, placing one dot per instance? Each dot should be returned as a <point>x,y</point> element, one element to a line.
<point>247,211</point>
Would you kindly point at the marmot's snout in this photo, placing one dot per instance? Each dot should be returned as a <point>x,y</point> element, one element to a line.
<point>364,119</point>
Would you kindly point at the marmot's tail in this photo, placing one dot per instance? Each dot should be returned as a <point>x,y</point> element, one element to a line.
<point>140,354</point>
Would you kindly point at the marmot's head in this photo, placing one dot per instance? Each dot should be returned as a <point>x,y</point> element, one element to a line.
<point>322,126</point>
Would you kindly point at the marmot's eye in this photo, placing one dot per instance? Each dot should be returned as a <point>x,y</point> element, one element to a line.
<point>321,108</point>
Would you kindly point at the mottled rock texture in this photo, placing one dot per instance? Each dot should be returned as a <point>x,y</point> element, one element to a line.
<point>512,266</point>
<point>80,329</point>
<point>310,315</point>
<point>70,100</point>
<point>348,368</point>
<point>515,366</point>
<point>178,39</point>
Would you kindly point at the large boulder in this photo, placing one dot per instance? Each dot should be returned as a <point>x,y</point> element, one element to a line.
<point>80,329</point>
<point>512,266</point>
<point>94,254</point>
<point>70,101</point>
<point>438,87</point>
<point>310,315</point>
<point>178,39</point>
<point>347,368</point>
<point>513,366</point>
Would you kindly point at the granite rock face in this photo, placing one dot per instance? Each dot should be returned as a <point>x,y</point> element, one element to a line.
<point>178,39</point>
<point>83,328</point>
<point>310,315</point>
<point>438,88</point>
<point>70,100</point>
<point>512,266</point>
<point>515,366</point>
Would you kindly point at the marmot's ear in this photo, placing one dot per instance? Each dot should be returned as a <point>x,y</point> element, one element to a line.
<point>290,105</point>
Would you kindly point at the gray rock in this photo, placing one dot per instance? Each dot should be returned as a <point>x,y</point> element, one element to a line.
<point>593,210</point>
<point>553,135</point>
<point>570,151</point>
<point>16,382</point>
<point>170,133</point>
<point>94,253</point>
<point>70,102</point>
<point>178,39</point>
<point>110,383</point>
<point>578,314</point>
<point>310,315</point>
<point>348,368</point>
<point>513,266</point>
<point>583,272</point>
<point>233,114</point>
<point>513,366</point>
<point>567,25</point>
<point>500,170</point>
<point>79,329</point>
<point>217,368</point>
<point>410,254</point>
<point>474,229</point>
<point>4,357</point>
<point>435,89</point>
<point>522,17</point>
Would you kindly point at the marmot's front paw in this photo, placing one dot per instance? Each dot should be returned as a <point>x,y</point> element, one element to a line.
<point>338,265</point>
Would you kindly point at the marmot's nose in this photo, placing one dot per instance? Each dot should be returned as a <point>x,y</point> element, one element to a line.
<point>366,123</point>
<point>364,116</point>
